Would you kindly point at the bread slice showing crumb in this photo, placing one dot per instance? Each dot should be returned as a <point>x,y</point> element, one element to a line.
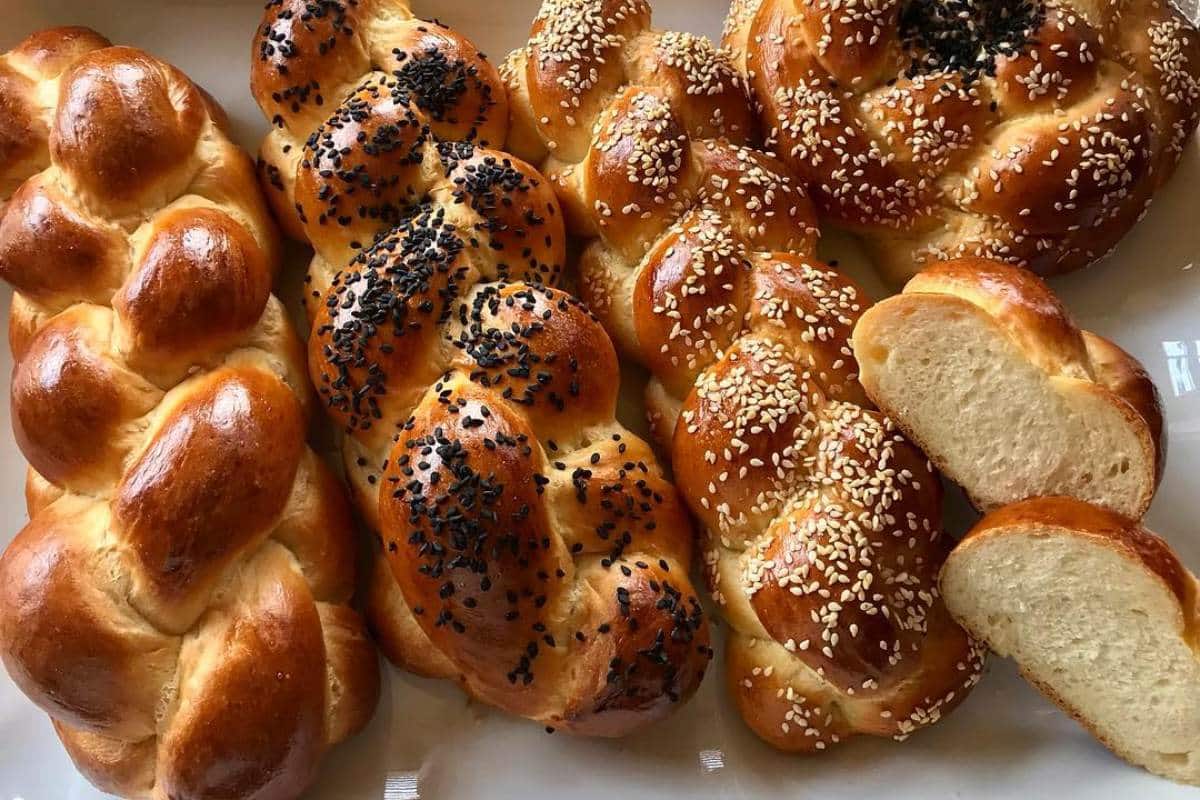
<point>1099,614</point>
<point>1012,404</point>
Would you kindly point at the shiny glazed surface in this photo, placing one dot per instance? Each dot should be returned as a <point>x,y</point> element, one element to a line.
<point>430,743</point>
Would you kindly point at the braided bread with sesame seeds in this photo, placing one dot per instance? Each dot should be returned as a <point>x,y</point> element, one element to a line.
<point>533,549</point>
<point>1035,132</point>
<point>178,603</point>
<point>823,523</point>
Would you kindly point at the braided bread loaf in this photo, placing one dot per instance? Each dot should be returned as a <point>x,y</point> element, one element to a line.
<point>178,603</point>
<point>534,550</point>
<point>824,540</point>
<point>1034,132</point>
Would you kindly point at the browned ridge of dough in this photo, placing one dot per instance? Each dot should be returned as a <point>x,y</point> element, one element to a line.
<point>823,524</point>
<point>179,601</point>
<point>532,548</point>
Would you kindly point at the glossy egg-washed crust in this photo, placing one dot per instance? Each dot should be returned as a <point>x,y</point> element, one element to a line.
<point>823,524</point>
<point>1043,151</point>
<point>533,549</point>
<point>178,602</point>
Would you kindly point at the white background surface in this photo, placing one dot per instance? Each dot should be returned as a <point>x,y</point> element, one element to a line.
<point>1004,742</point>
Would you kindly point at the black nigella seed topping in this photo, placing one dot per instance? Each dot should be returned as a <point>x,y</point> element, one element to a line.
<point>966,36</point>
<point>411,274</point>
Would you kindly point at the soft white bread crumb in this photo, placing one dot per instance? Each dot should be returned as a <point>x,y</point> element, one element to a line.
<point>1098,614</point>
<point>1006,396</point>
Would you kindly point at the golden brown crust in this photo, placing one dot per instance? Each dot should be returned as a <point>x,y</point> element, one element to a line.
<point>1043,151</point>
<point>125,124</point>
<point>395,628</point>
<point>24,121</point>
<point>1021,302</point>
<point>39,492</point>
<point>202,281</point>
<point>73,406</point>
<point>316,528</point>
<point>252,661</point>
<point>1125,376</point>
<point>240,437</point>
<point>380,316</point>
<point>532,550</point>
<point>352,672</point>
<point>582,53</point>
<point>116,766</point>
<point>309,61</point>
<point>701,263</point>
<point>39,228</point>
<point>64,640</point>
<point>535,375</point>
<point>52,50</point>
<point>178,603</point>
<point>503,601</point>
<point>797,711</point>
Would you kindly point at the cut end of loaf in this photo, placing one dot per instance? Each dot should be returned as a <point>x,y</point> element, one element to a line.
<point>994,420</point>
<point>1097,618</point>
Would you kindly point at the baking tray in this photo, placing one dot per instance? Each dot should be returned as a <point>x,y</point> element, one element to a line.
<point>427,741</point>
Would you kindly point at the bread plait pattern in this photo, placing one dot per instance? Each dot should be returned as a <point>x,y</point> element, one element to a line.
<point>822,522</point>
<point>1034,132</point>
<point>531,547</point>
<point>178,603</point>
<point>308,57</point>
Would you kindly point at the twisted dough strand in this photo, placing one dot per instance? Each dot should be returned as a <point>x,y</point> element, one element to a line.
<point>822,522</point>
<point>178,602</point>
<point>533,549</point>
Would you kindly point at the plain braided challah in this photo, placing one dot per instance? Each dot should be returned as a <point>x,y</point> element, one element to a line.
<point>1034,132</point>
<point>178,603</point>
<point>536,552</point>
<point>25,122</point>
<point>824,539</point>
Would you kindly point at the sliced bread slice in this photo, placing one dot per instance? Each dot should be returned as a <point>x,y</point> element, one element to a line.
<point>1099,614</point>
<point>982,366</point>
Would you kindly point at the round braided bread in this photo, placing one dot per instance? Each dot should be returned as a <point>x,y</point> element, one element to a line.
<point>178,603</point>
<point>1034,132</point>
<point>536,552</point>
<point>824,539</point>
